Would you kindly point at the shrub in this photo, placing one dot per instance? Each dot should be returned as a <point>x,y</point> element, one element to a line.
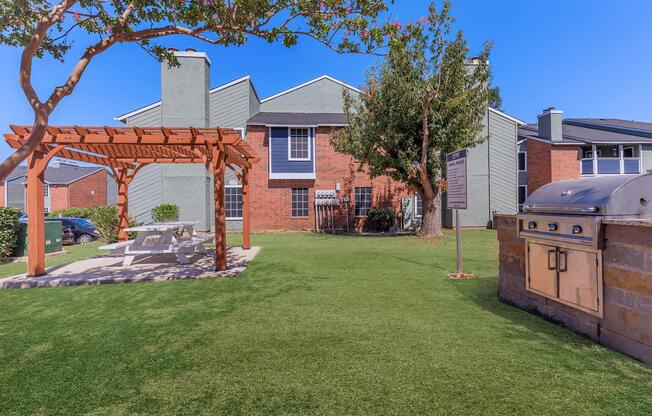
<point>381,219</point>
<point>9,223</point>
<point>72,213</point>
<point>105,219</point>
<point>165,213</point>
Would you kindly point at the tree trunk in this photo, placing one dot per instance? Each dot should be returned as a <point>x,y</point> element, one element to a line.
<point>31,144</point>
<point>431,216</point>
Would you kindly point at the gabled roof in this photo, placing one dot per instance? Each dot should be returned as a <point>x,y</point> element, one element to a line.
<point>507,116</point>
<point>123,117</point>
<point>298,119</point>
<point>312,81</point>
<point>63,174</point>
<point>595,131</point>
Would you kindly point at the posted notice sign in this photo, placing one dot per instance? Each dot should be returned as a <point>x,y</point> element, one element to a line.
<point>456,179</point>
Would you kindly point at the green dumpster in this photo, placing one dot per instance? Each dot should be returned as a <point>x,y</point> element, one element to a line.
<point>53,238</point>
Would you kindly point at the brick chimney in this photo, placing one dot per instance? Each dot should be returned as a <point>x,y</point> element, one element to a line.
<point>184,90</point>
<point>550,124</point>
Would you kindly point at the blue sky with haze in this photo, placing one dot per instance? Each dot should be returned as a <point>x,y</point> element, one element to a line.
<point>588,58</point>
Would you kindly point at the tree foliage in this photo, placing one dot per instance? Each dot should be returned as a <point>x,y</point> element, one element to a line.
<point>42,28</point>
<point>426,99</point>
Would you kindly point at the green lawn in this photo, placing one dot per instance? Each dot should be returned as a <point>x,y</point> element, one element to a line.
<point>73,253</point>
<point>316,325</point>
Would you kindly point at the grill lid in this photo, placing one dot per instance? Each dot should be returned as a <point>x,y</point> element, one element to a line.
<point>620,195</point>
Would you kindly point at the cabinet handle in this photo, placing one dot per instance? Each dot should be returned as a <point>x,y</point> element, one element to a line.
<point>554,259</point>
<point>565,261</point>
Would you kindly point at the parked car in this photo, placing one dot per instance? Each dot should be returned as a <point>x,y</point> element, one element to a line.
<point>83,230</point>
<point>68,237</point>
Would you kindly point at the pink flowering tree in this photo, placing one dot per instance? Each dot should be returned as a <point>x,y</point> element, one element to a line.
<point>423,101</point>
<point>42,27</point>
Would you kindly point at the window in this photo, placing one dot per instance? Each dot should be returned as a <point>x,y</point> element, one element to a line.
<point>522,196</point>
<point>46,190</point>
<point>610,159</point>
<point>299,144</point>
<point>522,161</point>
<point>418,206</point>
<point>300,202</point>
<point>362,201</point>
<point>233,201</point>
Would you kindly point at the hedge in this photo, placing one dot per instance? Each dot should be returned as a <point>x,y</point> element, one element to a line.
<point>105,219</point>
<point>381,219</point>
<point>72,213</point>
<point>165,213</point>
<point>9,224</point>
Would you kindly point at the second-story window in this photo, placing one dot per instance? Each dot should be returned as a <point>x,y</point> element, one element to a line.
<point>299,144</point>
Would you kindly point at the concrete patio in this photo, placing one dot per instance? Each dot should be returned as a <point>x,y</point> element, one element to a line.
<point>108,269</point>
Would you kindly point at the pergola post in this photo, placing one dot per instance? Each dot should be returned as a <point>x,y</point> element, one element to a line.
<point>218,166</point>
<point>123,178</point>
<point>123,204</point>
<point>35,215</point>
<point>36,165</point>
<point>246,211</point>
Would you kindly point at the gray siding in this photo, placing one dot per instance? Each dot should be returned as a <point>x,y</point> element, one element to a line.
<point>492,174</point>
<point>16,193</point>
<point>503,165</point>
<point>148,118</point>
<point>111,190</point>
<point>646,158</point>
<point>254,101</point>
<point>229,107</point>
<point>322,96</point>
<point>145,192</point>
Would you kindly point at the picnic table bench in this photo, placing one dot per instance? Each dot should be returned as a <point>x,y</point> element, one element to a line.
<point>178,238</point>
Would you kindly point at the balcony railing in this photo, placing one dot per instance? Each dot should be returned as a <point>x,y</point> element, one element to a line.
<point>594,164</point>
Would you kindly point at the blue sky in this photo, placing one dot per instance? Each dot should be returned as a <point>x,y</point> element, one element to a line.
<point>589,58</point>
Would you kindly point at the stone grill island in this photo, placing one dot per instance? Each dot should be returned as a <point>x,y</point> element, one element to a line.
<point>591,270</point>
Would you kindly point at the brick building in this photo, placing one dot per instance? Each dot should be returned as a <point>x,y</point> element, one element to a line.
<point>66,186</point>
<point>556,149</point>
<point>291,132</point>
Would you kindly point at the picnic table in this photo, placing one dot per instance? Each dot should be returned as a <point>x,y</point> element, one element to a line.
<point>178,238</point>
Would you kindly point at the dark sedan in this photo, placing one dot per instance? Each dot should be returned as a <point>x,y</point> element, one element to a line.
<point>83,230</point>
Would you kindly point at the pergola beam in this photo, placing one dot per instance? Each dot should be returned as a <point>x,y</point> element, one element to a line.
<point>125,150</point>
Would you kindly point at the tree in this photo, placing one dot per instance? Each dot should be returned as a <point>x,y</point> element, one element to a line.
<point>426,99</point>
<point>42,28</point>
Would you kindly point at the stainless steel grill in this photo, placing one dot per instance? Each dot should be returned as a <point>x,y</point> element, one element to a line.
<point>561,223</point>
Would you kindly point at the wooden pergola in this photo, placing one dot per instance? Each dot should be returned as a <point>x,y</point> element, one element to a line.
<point>125,150</point>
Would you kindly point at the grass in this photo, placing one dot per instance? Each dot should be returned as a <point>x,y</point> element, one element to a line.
<point>316,325</point>
<point>72,253</point>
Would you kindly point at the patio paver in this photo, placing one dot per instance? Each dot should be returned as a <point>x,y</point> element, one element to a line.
<point>108,269</point>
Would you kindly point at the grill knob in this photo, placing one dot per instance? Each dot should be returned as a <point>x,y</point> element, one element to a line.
<point>552,227</point>
<point>576,229</point>
<point>531,225</point>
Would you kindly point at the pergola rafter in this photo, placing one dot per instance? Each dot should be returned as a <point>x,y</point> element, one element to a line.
<point>125,150</point>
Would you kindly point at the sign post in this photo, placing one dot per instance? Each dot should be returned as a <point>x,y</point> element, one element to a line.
<point>456,198</point>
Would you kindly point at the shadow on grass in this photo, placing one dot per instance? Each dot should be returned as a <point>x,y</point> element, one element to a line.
<point>524,326</point>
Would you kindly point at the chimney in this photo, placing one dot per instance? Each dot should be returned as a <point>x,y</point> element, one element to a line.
<point>184,90</point>
<point>550,124</point>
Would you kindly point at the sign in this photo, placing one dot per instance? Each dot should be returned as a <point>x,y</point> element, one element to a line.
<point>456,179</point>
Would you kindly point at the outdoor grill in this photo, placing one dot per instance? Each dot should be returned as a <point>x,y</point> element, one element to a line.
<point>561,223</point>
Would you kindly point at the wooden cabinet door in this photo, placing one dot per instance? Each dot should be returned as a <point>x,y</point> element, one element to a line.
<point>578,277</point>
<point>542,269</point>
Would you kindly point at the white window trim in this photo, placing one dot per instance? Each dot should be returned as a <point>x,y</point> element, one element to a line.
<point>416,212</point>
<point>525,155</point>
<point>230,186</point>
<point>299,159</point>
<point>292,216</point>
<point>520,206</point>
<point>273,175</point>
<point>355,200</point>
<point>595,153</point>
